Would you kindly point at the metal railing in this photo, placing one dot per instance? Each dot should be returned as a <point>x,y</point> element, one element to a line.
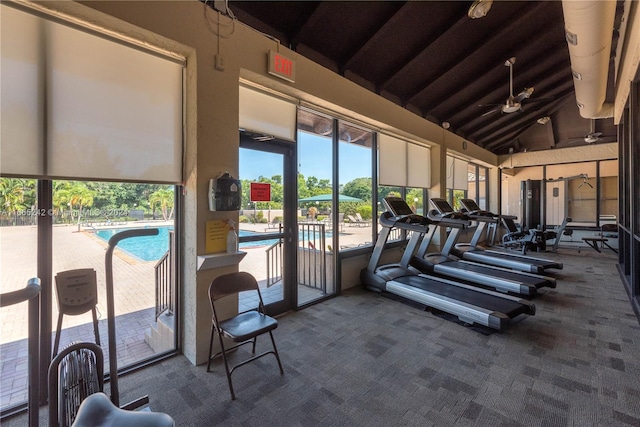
<point>30,293</point>
<point>165,274</point>
<point>312,248</point>
<point>274,263</point>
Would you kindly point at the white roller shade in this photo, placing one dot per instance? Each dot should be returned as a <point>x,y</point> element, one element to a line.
<point>113,112</point>
<point>457,173</point>
<point>21,114</point>
<point>419,166</point>
<point>450,171</point>
<point>392,161</point>
<point>267,114</point>
<point>461,175</point>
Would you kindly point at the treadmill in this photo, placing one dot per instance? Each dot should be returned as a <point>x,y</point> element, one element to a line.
<point>472,252</point>
<point>468,303</point>
<point>442,263</point>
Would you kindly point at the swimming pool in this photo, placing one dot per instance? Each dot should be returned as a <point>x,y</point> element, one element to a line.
<point>302,235</point>
<point>146,248</point>
<point>152,248</point>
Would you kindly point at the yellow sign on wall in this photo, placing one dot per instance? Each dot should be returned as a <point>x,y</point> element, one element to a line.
<point>216,236</point>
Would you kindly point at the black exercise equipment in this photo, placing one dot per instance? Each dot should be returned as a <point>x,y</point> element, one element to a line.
<point>473,252</point>
<point>111,314</point>
<point>470,304</point>
<point>444,264</point>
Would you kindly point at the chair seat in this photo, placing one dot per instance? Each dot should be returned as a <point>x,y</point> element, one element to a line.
<point>247,325</point>
<point>98,411</point>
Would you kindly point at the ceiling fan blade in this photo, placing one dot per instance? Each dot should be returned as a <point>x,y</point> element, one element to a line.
<point>606,139</point>
<point>491,111</point>
<point>570,142</point>
<point>525,94</point>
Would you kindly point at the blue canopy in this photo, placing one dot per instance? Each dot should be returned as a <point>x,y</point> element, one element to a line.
<point>328,197</point>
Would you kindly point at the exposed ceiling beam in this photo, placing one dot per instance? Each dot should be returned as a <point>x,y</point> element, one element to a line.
<point>472,47</point>
<point>385,23</point>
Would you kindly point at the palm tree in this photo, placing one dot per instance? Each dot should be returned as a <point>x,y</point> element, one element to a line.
<point>163,198</point>
<point>75,195</point>
<point>12,196</point>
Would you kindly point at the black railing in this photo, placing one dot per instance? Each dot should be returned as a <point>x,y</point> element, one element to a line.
<point>312,247</point>
<point>274,263</point>
<point>165,273</point>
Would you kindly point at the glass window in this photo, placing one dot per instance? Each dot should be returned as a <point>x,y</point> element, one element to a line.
<point>482,184</point>
<point>608,190</point>
<point>87,215</point>
<point>356,182</point>
<point>316,261</point>
<point>415,199</point>
<point>18,244</point>
<point>384,191</point>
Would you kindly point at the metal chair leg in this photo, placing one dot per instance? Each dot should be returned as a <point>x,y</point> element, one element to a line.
<point>275,352</point>
<point>210,349</point>
<point>226,367</point>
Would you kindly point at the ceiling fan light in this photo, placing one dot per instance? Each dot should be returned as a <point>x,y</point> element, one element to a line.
<point>479,9</point>
<point>511,108</point>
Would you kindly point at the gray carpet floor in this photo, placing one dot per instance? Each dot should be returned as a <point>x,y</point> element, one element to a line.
<point>363,359</point>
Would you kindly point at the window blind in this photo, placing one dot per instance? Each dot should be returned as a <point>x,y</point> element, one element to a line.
<point>112,112</point>
<point>267,114</point>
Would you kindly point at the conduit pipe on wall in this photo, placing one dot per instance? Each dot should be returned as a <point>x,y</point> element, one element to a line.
<point>589,31</point>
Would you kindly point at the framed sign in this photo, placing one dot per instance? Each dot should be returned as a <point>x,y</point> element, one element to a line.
<point>260,192</point>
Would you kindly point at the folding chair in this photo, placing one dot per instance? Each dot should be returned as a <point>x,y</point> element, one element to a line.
<point>243,328</point>
<point>77,292</point>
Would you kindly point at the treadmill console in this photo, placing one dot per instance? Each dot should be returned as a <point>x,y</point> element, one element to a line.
<point>445,210</point>
<point>441,205</point>
<point>400,209</point>
<point>472,208</point>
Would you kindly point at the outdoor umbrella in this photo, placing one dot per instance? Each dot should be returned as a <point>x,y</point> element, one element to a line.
<point>328,197</point>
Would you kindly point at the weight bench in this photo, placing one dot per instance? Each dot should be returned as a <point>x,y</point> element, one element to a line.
<point>593,242</point>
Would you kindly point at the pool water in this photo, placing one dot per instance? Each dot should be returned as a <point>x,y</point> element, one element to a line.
<point>146,248</point>
<point>152,248</point>
<point>302,235</point>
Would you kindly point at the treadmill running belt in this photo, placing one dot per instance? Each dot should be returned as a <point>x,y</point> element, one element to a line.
<point>509,307</point>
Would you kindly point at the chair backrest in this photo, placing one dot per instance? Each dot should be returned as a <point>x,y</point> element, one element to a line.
<point>611,229</point>
<point>75,373</point>
<point>232,283</point>
<point>77,290</point>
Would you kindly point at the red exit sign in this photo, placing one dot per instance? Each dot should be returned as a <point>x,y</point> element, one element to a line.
<point>281,66</point>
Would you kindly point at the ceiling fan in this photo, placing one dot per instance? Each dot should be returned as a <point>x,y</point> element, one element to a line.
<point>513,103</point>
<point>592,137</point>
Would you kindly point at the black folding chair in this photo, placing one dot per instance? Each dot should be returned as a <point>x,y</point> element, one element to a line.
<point>243,328</point>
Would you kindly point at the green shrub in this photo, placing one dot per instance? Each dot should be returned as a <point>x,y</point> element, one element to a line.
<point>365,211</point>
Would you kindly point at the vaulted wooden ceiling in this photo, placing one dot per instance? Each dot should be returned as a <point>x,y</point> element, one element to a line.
<point>432,59</point>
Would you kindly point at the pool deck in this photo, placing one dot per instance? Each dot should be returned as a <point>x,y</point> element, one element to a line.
<point>134,291</point>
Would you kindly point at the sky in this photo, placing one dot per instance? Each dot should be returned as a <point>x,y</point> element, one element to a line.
<point>314,159</point>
